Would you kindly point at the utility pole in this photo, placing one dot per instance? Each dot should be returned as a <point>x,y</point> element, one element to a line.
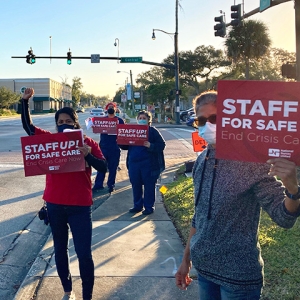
<point>297,27</point>
<point>132,100</point>
<point>176,63</point>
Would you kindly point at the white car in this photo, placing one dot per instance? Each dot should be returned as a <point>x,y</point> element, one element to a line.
<point>97,112</point>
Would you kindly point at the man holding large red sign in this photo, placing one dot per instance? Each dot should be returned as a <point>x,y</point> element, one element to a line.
<point>229,194</point>
<point>68,195</point>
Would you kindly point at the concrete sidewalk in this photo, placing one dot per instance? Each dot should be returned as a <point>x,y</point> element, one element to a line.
<point>135,256</point>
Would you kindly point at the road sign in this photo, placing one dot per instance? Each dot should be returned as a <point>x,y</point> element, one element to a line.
<point>264,4</point>
<point>131,59</point>
<point>95,58</point>
<point>136,94</point>
<point>22,89</point>
<point>123,98</point>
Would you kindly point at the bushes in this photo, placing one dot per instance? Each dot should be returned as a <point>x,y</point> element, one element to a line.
<point>7,112</point>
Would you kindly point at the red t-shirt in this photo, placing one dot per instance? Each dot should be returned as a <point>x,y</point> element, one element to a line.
<point>74,188</point>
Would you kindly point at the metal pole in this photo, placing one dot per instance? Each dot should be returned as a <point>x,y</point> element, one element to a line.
<point>125,96</point>
<point>176,62</point>
<point>50,48</point>
<point>132,100</point>
<point>297,24</point>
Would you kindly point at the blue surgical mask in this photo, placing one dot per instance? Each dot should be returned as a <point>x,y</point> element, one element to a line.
<point>208,132</point>
<point>142,122</point>
<point>61,128</point>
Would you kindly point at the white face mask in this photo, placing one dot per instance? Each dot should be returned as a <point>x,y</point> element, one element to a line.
<point>208,132</point>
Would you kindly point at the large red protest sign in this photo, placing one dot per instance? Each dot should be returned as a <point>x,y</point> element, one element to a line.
<point>258,120</point>
<point>105,125</point>
<point>52,153</point>
<point>134,135</point>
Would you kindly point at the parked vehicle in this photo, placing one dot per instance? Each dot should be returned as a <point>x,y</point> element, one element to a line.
<point>190,121</point>
<point>185,114</point>
<point>80,109</point>
<point>97,112</point>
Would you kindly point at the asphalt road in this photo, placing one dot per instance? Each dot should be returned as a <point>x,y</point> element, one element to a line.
<point>22,234</point>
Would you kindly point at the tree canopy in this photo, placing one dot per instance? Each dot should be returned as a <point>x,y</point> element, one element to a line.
<point>7,97</point>
<point>247,42</point>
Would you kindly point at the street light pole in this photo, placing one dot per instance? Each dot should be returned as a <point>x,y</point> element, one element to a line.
<point>132,100</point>
<point>117,44</point>
<point>176,62</point>
<point>50,37</point>
<point>131,91</point>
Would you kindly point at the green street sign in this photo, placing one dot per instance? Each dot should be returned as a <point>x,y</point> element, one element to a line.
<point>131,59</point>
<point>264,4</point>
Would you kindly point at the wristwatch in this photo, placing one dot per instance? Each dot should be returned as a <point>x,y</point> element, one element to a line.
<point>293,196</point>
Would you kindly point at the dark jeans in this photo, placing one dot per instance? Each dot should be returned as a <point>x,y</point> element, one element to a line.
<point>79,219</point>
<point>212,291</point>
<point>112,157</point>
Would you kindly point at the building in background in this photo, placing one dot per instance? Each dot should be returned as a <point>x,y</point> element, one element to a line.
<point>49,95</point>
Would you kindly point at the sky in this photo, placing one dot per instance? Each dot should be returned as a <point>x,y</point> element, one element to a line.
<point>92,27</point>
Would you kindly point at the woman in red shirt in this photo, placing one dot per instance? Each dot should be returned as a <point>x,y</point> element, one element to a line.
<point>69,202</point>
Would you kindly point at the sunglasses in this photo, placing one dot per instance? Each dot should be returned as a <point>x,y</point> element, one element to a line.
<point>201,121</point>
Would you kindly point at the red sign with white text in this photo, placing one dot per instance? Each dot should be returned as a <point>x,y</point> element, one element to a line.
<point>133,135</point>
<point>258,120</point>
<point>52,153</point>
<point>105,125</point>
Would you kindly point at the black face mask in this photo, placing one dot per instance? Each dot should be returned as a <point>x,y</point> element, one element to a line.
<point>61,128</point>
<point>111,111</point>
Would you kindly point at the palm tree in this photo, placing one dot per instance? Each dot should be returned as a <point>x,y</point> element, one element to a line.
<point>249,41</point>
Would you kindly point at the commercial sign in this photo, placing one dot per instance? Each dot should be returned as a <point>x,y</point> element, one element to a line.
<point>105,125</point>
<point>133,135</point>
<point>258,120</point>
<point>52,153</point>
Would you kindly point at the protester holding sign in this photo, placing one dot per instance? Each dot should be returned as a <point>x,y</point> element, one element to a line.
<point>223,243</point>
<point>145,164</point>
<point>111,151</point>
<point>69,202</point>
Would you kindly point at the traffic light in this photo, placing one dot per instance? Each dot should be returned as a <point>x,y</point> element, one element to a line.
<point>30,58</point>
<point>236,15</point>
<point>220,29</point>
<point>69,58</point>
<point>288,70</point>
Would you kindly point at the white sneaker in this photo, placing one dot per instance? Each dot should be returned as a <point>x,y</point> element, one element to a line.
<point>69,296</point>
